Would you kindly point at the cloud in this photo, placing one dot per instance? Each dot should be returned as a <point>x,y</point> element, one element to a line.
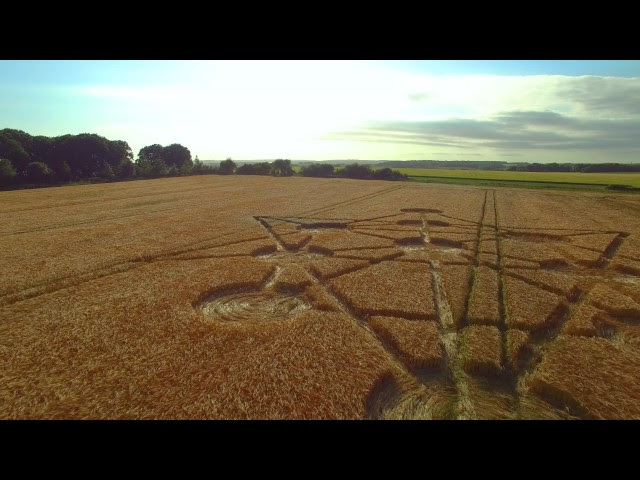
<point>603,95</point>
<point>517,130</point>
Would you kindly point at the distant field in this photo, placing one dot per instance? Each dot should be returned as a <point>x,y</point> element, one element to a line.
<point>538,178</point>
<point>254,297</point>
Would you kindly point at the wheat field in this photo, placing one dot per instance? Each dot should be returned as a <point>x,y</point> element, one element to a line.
<point>247,297</point>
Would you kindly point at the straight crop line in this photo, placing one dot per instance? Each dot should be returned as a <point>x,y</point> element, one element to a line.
<point>543,340</point>
<point>271,233</point>
<point>348,202</point>
<point>100,201</point>
<point>77,279</point>
<point>101,220</point>
<point>67,282</point>
<point>362,323</point>
<point>476,262</point>
<point>167,255</point>
<point>463,409</point>
<point>502,305</point>
<point>501,302</point>
<point>611,250</point>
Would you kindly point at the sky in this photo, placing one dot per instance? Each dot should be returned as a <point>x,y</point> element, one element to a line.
<point>516,111</point>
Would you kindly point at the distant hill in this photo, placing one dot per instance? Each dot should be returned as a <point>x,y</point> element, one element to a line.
<point>465,165</point>
<point>446,164</point>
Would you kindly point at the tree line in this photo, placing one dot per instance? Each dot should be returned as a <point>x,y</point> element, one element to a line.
<point>283,168</point>
<point>575,167</point>
<point>362,172</point>
<point>39,160</point>
<point>26,159</point>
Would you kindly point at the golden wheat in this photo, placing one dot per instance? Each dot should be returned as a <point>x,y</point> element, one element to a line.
<point>417,342</point>
<point>617,303</point>
<point>484,307</point>
<point>517,343</point>
<point>157,299</point>
<point>456,279</point>
<point>481,349</point>
<point>530,308</point>
<point>397,289</point>
<point>592,376</point>
<point>292,278</point>
<point>333,266</point>
<point>376,254</point>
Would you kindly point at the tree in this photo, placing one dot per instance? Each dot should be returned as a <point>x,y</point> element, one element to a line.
<point>151,153</point>
<point>120,158</point>
<point>176,155</point>
<point>151,162</point>
<point>127,169</point>
<point>388,174</point>
<point>7,172</point>
<point>106,172</point>
<point>11,148</point>
<point>197,166</point>
<point>281,168</point>
<point>86,154</point>
<point>227,167</point>
<point>63,172</point>
<point>356,171</point>
<point>263,168</point>
<point>317,170</point>
<point>38,172</point>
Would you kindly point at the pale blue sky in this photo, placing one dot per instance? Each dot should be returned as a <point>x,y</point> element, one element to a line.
<point>489,110</point>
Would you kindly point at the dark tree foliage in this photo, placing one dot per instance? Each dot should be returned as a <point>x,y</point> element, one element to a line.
<point>63,172</point>
<point>38,172</point>
<point>575,167</point>
<point>156,160</point>
<point>150,162</point>
<point>68,157</point>
<point>263,168</point>
<point>281,168</point>
<point>87,154</point>
<point>354,170</point>
<point>7,172</point>
<point>317,170</point>
<point>151,153</point>
<point>12,147</point>
<point>388,174</point>
<point>609,167</point>
<point>177,156</point>
<point>127,170</point>
<point>364,172</point>
<point>227,167</point>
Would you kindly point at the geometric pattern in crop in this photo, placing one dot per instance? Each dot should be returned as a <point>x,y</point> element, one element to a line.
<point>592,376</point>
<point>528,308</point>
<point>481,349</point>
<point>418,343</point>
<point>498,290</point>
<point>469,291</point>
<point>389,288</point>
<point>374,254</point>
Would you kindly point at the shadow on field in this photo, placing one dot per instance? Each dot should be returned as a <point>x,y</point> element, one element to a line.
<point>385,394</point>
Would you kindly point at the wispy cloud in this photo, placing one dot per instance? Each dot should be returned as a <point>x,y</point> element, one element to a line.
<point>506,130</point>
<point>604,95</point>
<point>539,113</point>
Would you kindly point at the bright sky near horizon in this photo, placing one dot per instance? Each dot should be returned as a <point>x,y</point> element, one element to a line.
<point>535,111</point>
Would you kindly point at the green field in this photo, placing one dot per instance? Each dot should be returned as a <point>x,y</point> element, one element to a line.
<point>590,181</point>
